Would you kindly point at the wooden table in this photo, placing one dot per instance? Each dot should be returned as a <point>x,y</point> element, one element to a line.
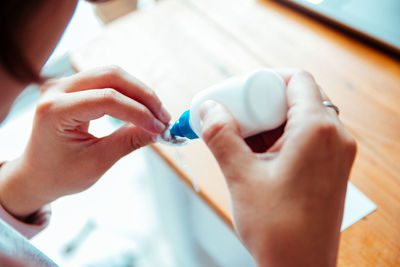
<point>183,46</point>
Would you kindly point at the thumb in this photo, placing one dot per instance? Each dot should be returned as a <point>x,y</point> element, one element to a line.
<point>221,133</point>
<point>125,140</point>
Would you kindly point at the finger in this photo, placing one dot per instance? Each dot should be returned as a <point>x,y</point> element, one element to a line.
<point>123,82</point>
<point>325,97</point>
<point>309,121</point>
<point>303,93</point>
<point>123,141</point>
<point>221,134</point>
<point>88,105</point>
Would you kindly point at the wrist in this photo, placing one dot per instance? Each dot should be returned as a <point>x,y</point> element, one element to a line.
<point>297,245</point>
<point>17,192</point>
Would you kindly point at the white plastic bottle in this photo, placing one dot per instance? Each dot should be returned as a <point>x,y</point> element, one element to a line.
<point>256,100</point>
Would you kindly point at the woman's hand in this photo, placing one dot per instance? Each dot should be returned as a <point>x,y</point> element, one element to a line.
<point>287,201</point>
<point>62,157</point>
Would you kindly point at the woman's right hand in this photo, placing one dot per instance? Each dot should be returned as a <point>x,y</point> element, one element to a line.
<point>287,202</point>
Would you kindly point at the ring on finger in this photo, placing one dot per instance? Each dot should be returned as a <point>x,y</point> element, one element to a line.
<point>329,104</point>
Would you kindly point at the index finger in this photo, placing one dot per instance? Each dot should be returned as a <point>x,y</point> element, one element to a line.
<point>118,79</point>
<point>301,86</point>
<point>303,92</point>
<point>84,106</point>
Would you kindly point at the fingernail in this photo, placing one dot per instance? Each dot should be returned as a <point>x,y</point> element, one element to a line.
<point>164,115</point>
<point>158,126</point>
<point>207,108</point>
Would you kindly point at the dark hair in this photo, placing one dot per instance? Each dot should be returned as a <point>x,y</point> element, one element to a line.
<point>14,15</point>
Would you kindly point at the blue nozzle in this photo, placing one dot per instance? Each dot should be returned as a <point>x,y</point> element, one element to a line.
<point>182,127</point>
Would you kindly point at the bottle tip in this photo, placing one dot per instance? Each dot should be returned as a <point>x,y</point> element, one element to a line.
<point>175,129</point>
<point>182,127</point>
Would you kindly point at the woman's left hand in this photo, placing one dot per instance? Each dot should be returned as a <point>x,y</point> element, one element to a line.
<point>62,157</point>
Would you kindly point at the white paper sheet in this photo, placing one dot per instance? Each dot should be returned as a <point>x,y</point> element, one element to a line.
<point>356,206</point>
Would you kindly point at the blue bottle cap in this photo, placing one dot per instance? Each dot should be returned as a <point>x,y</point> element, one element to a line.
<point>182,127</point>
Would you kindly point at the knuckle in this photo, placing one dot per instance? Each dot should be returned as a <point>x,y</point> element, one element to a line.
<point>323,128</point>
<point>144,111</point>
<point>152,95</point>
<point>44,107</point>
<point>109,95</point>
<point>149,94</point>
<point>351,145</point>
<point>46,86</point>
<point>113,72</point>
<point>327,128</point>
<point>156,102</point>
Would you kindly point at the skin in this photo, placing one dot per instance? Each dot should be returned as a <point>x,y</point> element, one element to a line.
<point>276,193</point>
<point>52,164</point>
<point>62,157</point>
<point>288,201</point>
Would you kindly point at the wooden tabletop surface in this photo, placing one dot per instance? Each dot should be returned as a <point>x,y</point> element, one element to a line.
<point>182,46</point>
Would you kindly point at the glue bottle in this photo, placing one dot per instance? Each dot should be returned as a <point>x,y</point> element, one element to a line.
<point>256,100</point>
